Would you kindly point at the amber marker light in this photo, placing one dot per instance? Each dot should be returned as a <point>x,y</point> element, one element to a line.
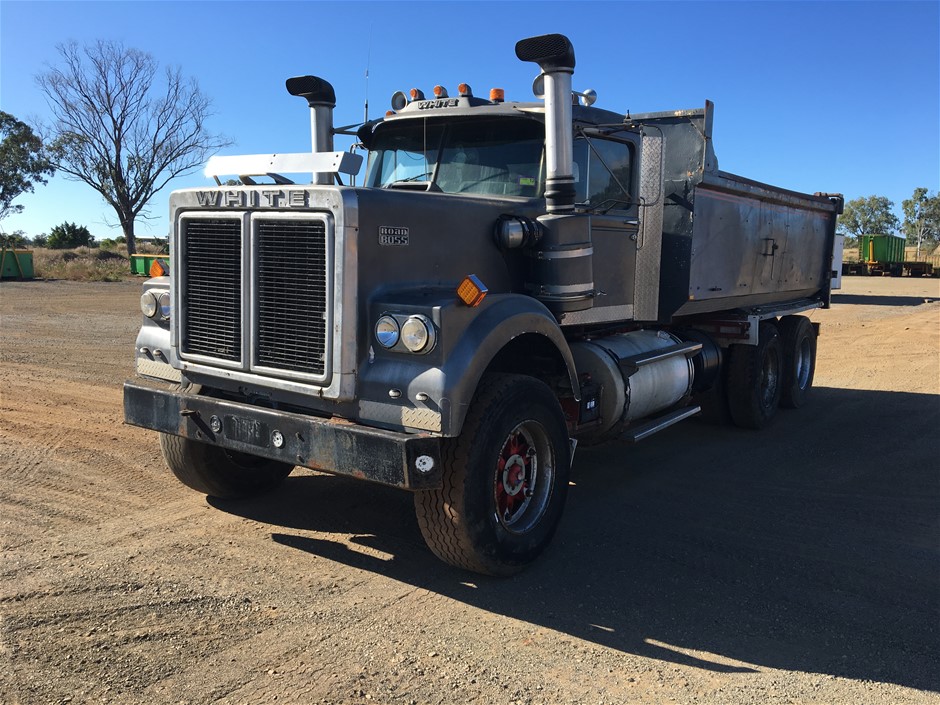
<point>440,92</point>
<point>497,95</point>
<point>159,269</point>
<point>471,290</point>
<point>416,94</point>
<point>464,90</point>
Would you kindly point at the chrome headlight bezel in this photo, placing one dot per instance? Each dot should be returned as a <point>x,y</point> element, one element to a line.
<point>149,304</point>
<point>387,331</point>
<point>163,304</point>
<point>418,334</point>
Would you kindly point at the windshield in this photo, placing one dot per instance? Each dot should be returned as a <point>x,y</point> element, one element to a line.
<point>502,157</point>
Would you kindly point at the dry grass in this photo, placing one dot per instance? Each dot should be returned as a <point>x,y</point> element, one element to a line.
<point>91,264</point>
<point>81,264</point>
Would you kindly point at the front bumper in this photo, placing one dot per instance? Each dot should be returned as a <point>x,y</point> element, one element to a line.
<point>332,445</point>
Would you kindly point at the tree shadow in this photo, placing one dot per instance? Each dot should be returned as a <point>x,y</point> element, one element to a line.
<point>811,546</point>
<point>875,300</point>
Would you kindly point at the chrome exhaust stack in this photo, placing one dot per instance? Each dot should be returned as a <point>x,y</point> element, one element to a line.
<point>555,56</point>
<point>321,98</point>
<point>561,268</point>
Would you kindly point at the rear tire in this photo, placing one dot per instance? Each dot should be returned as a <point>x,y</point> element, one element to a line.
<point>218,472</point>
<point>755,379</point>
<point>799,360</point>
<point>505,480</point>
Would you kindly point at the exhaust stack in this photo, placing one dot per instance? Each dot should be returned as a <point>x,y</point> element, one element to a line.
<point>555,56</point>
<point>321,98</point>
<point>561,270</point>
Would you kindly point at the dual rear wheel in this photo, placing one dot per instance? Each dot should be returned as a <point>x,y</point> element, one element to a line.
<point>777,372</point>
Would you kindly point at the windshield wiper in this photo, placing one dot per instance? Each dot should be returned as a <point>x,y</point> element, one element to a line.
<point>416,177</point>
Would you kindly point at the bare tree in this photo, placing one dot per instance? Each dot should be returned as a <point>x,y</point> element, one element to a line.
<point>120,130</point>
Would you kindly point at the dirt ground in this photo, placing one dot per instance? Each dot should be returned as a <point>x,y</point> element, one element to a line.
<point>704,565</point>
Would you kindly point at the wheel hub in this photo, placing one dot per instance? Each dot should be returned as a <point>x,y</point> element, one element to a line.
<point>514,475</point>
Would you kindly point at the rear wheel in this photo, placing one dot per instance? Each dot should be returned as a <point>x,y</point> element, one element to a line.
<point>799,360</point>
<point>505,480</point>
<point>755,379</point>
<point>218,472</point>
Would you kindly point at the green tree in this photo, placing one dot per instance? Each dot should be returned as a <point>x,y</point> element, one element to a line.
<point>22,162</point>
<point>15,240</point>
<point>871,215</point>
<point>69,235</point>
<point>121,129</point>
<point>921,218</point>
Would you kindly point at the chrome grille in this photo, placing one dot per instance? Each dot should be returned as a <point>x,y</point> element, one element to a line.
<point>212,300</point>
<point>291,295</point>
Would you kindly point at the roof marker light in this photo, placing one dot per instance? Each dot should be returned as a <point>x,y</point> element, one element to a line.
<point>440,92</point>
<point>497,95</point>
<point>416,94</point>
<point>464,90</point>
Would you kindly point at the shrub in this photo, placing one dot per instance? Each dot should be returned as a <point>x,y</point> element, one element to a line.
<point>69,235</point>
<point>81,264</point>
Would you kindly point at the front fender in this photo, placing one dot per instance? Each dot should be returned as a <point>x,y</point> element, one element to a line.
<point>433,392</point>
<point>499,320</point>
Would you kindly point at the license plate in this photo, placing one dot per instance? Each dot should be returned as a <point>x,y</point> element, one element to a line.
<point>247,431</point>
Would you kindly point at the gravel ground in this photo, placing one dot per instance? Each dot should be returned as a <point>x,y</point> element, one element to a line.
<point>705,565</point>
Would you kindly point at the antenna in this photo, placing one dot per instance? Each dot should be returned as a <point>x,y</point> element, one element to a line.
<point>368,63</point>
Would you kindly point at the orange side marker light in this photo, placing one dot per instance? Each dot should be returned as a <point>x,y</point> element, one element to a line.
<point>471,290</point>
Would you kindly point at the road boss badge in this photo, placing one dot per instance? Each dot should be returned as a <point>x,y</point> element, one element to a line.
<point>391,236</point>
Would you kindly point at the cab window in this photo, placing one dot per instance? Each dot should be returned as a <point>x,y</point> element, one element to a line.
<point>602,167</point>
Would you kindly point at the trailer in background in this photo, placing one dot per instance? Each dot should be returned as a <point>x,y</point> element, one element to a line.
<point>885,255</point>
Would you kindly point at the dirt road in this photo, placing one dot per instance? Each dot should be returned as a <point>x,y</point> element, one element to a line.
<point>705,565</point>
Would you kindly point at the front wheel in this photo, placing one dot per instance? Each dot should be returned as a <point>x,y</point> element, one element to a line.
<point>218,472</point>
<point>505,480</point>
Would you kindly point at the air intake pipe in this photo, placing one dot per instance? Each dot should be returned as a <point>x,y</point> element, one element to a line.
<point>561,271</point>
<point>555,56</point>
<point>321,98</point>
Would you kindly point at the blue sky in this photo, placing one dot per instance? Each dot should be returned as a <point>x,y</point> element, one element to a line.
<point>811,96</point>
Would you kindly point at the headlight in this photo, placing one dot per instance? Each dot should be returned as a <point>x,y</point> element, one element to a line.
<point>386,332</point>
<point>417,334</point>
<point>148,304</point>
<point>164,302</point>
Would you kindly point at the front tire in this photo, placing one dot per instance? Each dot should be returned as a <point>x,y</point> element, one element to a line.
<point>505,480</point>
<point>218,472</point>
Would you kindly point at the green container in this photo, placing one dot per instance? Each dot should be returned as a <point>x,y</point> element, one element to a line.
<point>140,264</point>
<point>16,264</point>
<point>881,248</point>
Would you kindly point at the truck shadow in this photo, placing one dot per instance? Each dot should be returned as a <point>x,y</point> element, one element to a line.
<point>811,546</point>
<point>874,300</point>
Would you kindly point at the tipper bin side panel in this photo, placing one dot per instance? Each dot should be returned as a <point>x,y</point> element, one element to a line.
<point>743,246</point>
<point>753,244</point>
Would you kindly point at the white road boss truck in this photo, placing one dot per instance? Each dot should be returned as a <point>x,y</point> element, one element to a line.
<point>510,279</point>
